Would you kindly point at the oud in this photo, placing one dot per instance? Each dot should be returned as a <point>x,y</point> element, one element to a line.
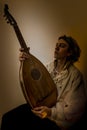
<point>37,85</point>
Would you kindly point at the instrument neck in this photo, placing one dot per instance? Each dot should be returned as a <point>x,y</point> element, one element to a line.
<point>20,38</point>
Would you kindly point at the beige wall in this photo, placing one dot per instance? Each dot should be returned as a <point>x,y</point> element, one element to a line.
<point>41,22</point>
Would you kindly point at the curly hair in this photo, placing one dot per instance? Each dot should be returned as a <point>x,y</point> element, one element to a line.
<point>73,48</point>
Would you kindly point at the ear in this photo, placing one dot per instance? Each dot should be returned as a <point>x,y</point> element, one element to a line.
<point>69,53</point>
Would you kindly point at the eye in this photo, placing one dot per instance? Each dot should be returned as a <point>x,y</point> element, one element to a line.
<point>62,45</point>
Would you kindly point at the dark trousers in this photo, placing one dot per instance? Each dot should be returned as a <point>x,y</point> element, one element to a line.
<point>21,117</point>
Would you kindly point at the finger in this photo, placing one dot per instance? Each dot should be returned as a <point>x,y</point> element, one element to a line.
<point>24,55</point>
<point>39,108</point>
<point>21,49</point>
<point>44,114</point>
<point>37,113</point>
<point>21,59</point>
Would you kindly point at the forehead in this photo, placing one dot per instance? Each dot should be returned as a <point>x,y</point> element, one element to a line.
<point>62,42</point>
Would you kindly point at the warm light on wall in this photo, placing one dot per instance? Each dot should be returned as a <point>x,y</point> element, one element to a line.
<point>41,22</point>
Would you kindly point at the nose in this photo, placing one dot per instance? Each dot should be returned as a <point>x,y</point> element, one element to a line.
<point>57,48</point>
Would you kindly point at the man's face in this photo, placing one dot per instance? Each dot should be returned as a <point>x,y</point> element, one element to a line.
<point>61,49</point>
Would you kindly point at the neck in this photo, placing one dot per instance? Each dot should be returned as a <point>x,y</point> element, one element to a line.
<point>60,64</point>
